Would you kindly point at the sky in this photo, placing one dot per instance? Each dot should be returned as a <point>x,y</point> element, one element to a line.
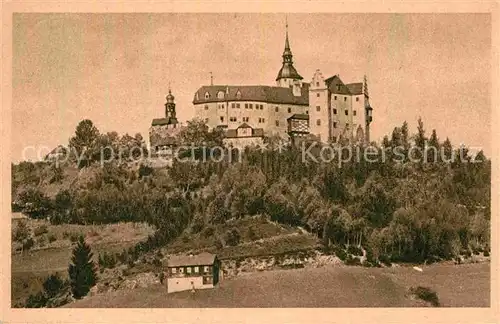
<point>115,69</point>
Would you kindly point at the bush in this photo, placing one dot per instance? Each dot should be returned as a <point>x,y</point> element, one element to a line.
<point>340,253</point>
<point>53,285</point>
<point>28,244</point>
<point>209,231</point>
<point>425,294</point>
<point>41,241</point>
<point>38,300</point>
<point>66,235</point>
<point>40,230</point>
<point>73,237</point>
<point>355,250</point>
<point>52,238</point>
<point>232,237</point>
<point>385,260</point>
<point>21,233</point>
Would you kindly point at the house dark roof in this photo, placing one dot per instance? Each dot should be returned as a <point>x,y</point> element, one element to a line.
<point>288,71</point>
<point>201,259</point>
<point>336,86</point>
<point>299,116</point>
<point>244,125</point>
<point>164,121</point>
<point>355,88</point>
<point>279,95</point>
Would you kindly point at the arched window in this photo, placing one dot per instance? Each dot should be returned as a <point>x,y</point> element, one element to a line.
<point>220,95</point>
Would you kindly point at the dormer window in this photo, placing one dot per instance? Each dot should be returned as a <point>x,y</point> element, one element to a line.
<point>338,87</point>
<point>207,95</point>
<point>238,94</point>
<point>220,95</point>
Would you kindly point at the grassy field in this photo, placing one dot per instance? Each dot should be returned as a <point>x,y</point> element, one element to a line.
<point>30,268</point>
<point>456,286</point>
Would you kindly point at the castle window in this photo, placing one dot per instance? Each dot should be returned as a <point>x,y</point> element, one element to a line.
<point>246,106</point>
<point>345,98</point>
<point>357,98</point>
<point>206,107</point>
<point>196,269</point>
<point>289,110</point>
<point>250,106</point>
<point>233,105</point>
<point>237,105</point>
<point>232,119</point>
<point>318,122</point>
<point>318,108</point>
<point>335,98</point>
<point>222,119</point>
<point>207,95</point>
<point>317,84</point>
<point>174,270</point>
<point>277,123</point>
<point>188,269</point>
<point>354,112</point>
<point>238,94</point>
<point>205,269</point>
<point>334,124</point>
<point>347,112</point>
<point>335,111</point>
<point>261,120</point>
<point>181,270</point>
<point>245,119</point>
<point>347,126</point>
<point>222,106</point>
<point>317,95</point>
<point>220,94</point>
<point>277,109</point>
<point>307,112</point>
<point>261,107</point>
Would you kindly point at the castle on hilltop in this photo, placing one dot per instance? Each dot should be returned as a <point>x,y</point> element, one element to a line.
<point>334,109</point>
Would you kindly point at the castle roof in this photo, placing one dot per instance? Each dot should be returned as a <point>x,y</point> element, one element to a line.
<point>260,93</point>
<point>288,71</point>
<point>336,86</point>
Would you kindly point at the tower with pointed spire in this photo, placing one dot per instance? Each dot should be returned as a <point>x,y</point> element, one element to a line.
<point>170,108</point>
<point>288,75</point>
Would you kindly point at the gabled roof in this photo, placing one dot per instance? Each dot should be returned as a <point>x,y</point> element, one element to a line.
<point>259,93</point>
<point>201,259</point>
<point>299,116</point>
<point>244,125</point>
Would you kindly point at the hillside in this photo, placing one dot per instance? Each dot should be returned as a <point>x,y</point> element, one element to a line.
<point>330,286</point>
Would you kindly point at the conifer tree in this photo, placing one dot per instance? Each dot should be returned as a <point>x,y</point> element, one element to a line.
<point>82,273</point>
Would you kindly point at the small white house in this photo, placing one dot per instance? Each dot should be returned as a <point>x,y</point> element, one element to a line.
<point>191,272</point>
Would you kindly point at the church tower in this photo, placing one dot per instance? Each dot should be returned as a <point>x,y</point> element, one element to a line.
<point>170,108</point>
<point>288,75</point>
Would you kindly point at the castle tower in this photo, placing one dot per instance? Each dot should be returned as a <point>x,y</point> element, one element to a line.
<point>319,110</point>
<point>288,75</point>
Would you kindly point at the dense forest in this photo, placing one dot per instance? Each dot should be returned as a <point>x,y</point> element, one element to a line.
<point>401,208</point>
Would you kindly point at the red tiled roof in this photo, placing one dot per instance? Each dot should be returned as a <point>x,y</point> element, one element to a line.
<point>279,95</point>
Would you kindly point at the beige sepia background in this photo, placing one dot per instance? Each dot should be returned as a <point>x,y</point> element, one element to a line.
<point>441,63</point>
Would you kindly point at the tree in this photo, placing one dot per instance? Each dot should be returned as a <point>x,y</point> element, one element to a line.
<point>21,232</point>
<point>420,140</point>
<point>86,135</point>
<point>53,285</point>
<point>82,273</point>
<point>433,149</point>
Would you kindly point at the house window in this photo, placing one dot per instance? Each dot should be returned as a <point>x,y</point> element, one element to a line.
<point>237,105</point>
<point>205,269</point>
<point>245,119</point>
<point>181,270</point>
<point>206,107</point>
<point>347,112</point>
<point>334,124</point>
<point>277,123</point>
<point>318,108</point>
<point>357,98</point>
<point>246,106</point>
<point>345,98</point>
<point>188,269</point>
<point>318,122</point>
<point>335,98</point>
<point>354,112</point>
<point>221,118</point>
<point>335,111</point>
<point>196,269</point>
<point>207,95</point>
<point>174,270</point>
<point>261,107</point>
<point>233,105</point>
<point>317,95</point>
<point>232,119</point>
<point>276,109</point>
<point>289,110</point>
<point>250,106</point>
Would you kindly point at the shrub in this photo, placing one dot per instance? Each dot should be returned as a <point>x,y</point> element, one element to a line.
<point>41,241</point>
<point>425,294</point>
<point>486,253</point>
<point>209,231</point>
<point>385,260</point>
<point>52,238</point>
<point>53,285</point>
<point>340,253</point>
<point>252,235</point>
<point>66,235</point>
<point>40,230</point>
<point>38,300</point>
<point>232,237</point>
<point>355,250</point>
<point>21,233</point>
<point>73,237</point>
<point>28,244</point>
